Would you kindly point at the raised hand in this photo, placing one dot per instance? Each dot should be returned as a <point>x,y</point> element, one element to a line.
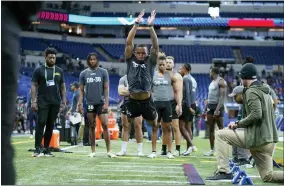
<point>140,17</point>
<point>151,18</point>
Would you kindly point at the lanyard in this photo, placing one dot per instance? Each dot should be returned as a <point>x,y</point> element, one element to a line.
<point>45,73</point>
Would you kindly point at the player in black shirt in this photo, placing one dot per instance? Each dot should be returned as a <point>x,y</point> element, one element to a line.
<point>140,71</point>
<point>48,82</point>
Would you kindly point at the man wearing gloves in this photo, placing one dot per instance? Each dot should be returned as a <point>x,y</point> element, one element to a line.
<point>259,134</point>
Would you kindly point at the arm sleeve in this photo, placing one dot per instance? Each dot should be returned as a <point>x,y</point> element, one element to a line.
<point>106,77</point>
<point>35,77</point>
<point>254,105</point>
<point>188,88</point>
<point>82,78</point>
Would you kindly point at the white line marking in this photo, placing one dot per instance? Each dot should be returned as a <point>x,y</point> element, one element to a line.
<point>74,146</point>
<point>251,176</point>
<point>137,181</point>
<point>135,175</point>
<point>170,171</point>
<point>144,166</point>
<point>127,163</point>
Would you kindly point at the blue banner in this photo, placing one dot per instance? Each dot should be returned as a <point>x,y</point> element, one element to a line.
<point>164,21</point>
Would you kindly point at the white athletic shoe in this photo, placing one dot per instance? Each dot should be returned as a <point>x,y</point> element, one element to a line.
<point>210,153</point>
<point>188,152</point>
<point>194,149</point>
<point>140,154</point>
<point>177,153</point>
<point>93,154</point>
<point>170,156</point>
<point>153,155</point>
<point>31,136</point>
<point>121,153</point>
<point>111,155</point>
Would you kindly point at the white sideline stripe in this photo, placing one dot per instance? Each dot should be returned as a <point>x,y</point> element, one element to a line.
<point>143,166</point>
<point>131,181</point>
<point>251,176</point>
<point>74,146</point>
<point>135,175</point>
<point>139,171</point>
<point>130,163</point>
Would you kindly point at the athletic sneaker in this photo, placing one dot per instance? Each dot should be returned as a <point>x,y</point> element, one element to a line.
<point>221,176</point>
<point>189,151</point>
<point>47,153</point>
<point>153,155</point>
<point>170,156</point>
<point>93,154</point>
<point>140,154</point>
<point>111,155</point>
<point>38,153</point>
<point>31,136</point>
<point>177,153</point>
<point>163,153</point>
<point>121,153</point>
<point>210,153</point>
<point>194,149</point>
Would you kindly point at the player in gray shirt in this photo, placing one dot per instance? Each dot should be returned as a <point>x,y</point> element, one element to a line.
<point>188,107</point>
<point>94,84</point>
<point>164,84</point>
<point>123,91</point>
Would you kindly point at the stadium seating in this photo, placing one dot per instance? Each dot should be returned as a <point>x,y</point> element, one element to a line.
<point>222,14</point>
<point>264,55</point>
<point>182,53</point>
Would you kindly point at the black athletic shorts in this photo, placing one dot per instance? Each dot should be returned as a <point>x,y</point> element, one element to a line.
<point>164,110</point>
<point>123,108</point>
<point>97,109</point>
<point>146,108</point>
<point>174,113</point>
<point>211,109</point>
<point>187,116</point>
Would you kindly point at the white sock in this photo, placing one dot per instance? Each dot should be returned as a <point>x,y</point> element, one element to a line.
<point>139,147</point>
<point>123,146</point>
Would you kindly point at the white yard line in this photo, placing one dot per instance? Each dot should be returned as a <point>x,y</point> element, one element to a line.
<point>170,171</point>
<point>137,175</point>
<point>146,163</point>
<point>132,181</point>
<point>74,146</point>
<point>141,166</point>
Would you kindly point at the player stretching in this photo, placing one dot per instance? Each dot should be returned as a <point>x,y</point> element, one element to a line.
<point>215,107</point>
<point>175,116</point>
<point>188,107</point>
<point>140,71</point>
<point>123,91</point>
<point>164,83</point>
<point>94,83</point>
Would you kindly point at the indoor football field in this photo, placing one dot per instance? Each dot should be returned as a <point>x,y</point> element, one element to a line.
<point>77,168</point>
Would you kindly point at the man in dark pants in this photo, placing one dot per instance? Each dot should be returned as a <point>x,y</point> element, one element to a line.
<point>48,82</point>
<point>13,16</point>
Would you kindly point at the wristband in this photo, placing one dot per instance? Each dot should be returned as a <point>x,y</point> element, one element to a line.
<point>136,23</point>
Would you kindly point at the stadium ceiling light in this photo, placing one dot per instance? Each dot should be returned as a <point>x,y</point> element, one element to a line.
<point>214,9</point>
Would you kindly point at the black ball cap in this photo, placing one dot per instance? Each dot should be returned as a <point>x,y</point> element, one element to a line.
<point>248,71</point>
